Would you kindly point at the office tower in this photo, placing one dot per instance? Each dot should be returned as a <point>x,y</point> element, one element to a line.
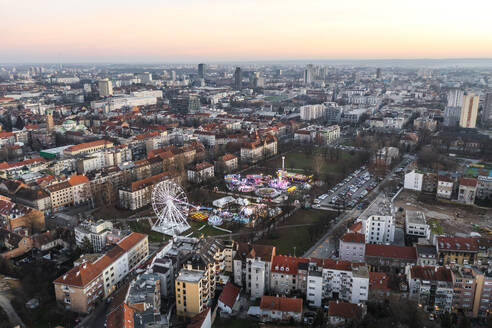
<point>487,109</point>
<point>356,77</point>
<point>238,79</point>
<point>469,111</point>
<point>173,76</point>
<point>50,124</point>
<point>201,70</point>
<point>105,88</point>
<point>455,98</point>
<point>308,77</point>
<point>279,72</point>
<point>378,73</point>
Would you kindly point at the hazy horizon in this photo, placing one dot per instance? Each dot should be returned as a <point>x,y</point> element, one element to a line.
<point>151,31</point>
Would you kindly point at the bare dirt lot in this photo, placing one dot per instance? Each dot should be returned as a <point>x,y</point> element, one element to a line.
<point>446,217</point>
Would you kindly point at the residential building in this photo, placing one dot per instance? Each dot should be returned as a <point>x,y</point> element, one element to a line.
<point>467,190</point>
<point>456,250</point>
<point>138,193</point>
<point>229,298</point>
<point>379,229</point>
<point>61,195</point>
<point>389,258</point>
<point>464,286</point>
<point>99,233</point>
<point>426,255</point>
<point>431,287</point>
<point>482,302</point>
<point>252,264</point>
<point>288,274</point>
<point>312,112</point>
<point>445,187</point>
<point>238,79</point>
<point>226,163</point>
<point>352,247</point>
<point>413,180</point>
<point>255,151</point>
<point>105,88</point>
<point>201,172</point>
<point>281,309</point>
<point>415,227</point>
<point>469,111</point>
<point>87,148</point>
<point>84,285</point>
<point>342,313</point>
<point>20,217</point>
<point>487,109</point>
<point>484,187</point>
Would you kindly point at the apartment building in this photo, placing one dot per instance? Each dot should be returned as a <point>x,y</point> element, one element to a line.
<point>389,258</point>
<point>87,147</point>
<point>344,280</point>
<point>80,188</point>
<point>252,152</point>
<point>227,163</point>
<point>467,190</point>
<point>17,217</point>
<point>456,250</point>
<point>352,247</point>
<point>431,287</point>
<point>82,286</point>
<point>413,180</point>
<point>464,286</point>
<point>288,274</point>
<point>99,233</point>
<point>201,172</point>
<point>61,195</point>
<point>379,229</point>
<point>426,255</point>
<point>444,187</point>
<point>197,279</point>
<point>251,265</point>
<point>482,303</point>
<point>484,186</point>
<point>138,193</point>
<point>415,227</point>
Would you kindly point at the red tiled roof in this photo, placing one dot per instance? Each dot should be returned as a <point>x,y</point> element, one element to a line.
<point>353,237</point>
<point>356,227</point>
<point>391,251</point>
<point>431,273</point>
<point>202,166</point>
<point>463,244</point>
<point>131,240</point>
<point>79,276</point>
<point>378,280</point>
<point>229,294</point>
<point>227,157</point>
<point>78,179</point>
<point>342,309</point>
<point>88,145</point>
<point>283,304</point>
<point>5,134</point>
<point>289,264</point>
<point>120,317</point>
<point>468,182</point>
<point>197,321</point>
<point>27,162</point>
<point>444,178</point>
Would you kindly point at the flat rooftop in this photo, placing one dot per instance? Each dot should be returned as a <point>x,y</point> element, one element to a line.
<point>415,217</point>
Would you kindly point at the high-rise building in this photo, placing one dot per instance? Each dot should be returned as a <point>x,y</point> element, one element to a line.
<point>455,98</point>
<point>487,109</point>
<point>308,76</point>
<point>201,70</point>
<point>238,79</point>
<point>378,73</point>
<point>452,115</point>
<point>356,77</point>
<point>173,76</point>
<point>50,124</point>
<point>469,111</point>
<point>105,88</point>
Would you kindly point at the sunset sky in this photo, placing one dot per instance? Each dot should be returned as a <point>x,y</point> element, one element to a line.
<point>215,30</point>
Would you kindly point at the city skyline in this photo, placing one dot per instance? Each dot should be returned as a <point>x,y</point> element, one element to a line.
<point>157,31</point>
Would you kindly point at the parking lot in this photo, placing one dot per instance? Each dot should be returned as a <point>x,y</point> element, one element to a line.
<point>348,192</point>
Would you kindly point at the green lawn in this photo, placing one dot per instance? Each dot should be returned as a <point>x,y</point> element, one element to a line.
<point>206,231</point>
<point>436,227</point>
<point>285,239</point>
<point>143,226</point>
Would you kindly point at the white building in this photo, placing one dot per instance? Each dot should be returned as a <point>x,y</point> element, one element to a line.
<point>413,180</point>
<point>105,88</point>
<point>352,247</point>
<point>312,112</point>
<point>99,233</point>
<point>349,281</point>
<point>444,187</point>
<point>416,226</point>
<point>281,309</point>
<point>379,229</point>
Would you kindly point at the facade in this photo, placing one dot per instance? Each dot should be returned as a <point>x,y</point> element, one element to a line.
<point>255,151</point>
<point>389,258</point>
<point>464,286</point>
<point>201,172</point>
<point>456,250</point>
<point>82,286</point>
<point>61,195</point>
<point>426,255</point>
<point>467,190</point>
<point>431,287</point>
<point>352,247</point>
<point>312,112</point>
<point>469,111</point>
<point>444,187</point>
<point>105,88</point>
<point>413,181</point>
<point>251,265</point>
<point>99,233</point>
<point>379,229</point>
<point>342,313</point>
<point>227,163</point>
<point>288,274</point>
<point>87,148</point>
<point>139,193</point>
<point>484,187</point>
<point>415,226</point>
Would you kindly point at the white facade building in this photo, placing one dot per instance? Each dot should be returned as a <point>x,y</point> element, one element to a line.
<point>379,229</point>
<point>413,181</point>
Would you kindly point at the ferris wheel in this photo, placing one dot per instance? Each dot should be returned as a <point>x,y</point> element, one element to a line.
<point>171,207</point>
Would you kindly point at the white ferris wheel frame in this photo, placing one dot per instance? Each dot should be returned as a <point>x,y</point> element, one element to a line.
<point>171,207</point>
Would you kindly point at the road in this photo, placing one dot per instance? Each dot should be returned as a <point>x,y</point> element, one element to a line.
<point>9,310</point>
<point>328,244</point>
